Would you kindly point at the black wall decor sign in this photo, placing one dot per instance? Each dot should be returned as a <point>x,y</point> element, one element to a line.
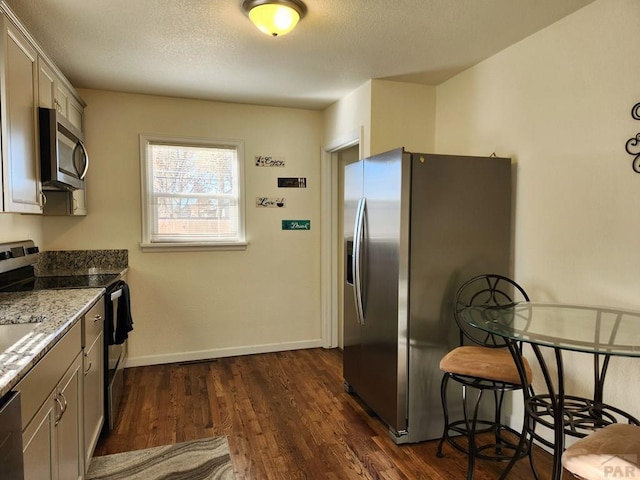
<point>291,182</point>
<point>633,144</point>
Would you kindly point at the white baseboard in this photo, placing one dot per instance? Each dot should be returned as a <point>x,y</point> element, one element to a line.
<point>219,353</point>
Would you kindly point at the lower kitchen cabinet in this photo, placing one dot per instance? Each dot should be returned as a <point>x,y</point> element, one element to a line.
<point>62,399</point>
<point>37,442</point>
<point>52,442</point>
<point>52,399</point>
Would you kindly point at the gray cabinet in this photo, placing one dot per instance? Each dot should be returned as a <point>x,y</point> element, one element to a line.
<point>59,202</point>
<point>93,379</point>
<point>53,93</point>
<point>52,395</point>
<point>46,84</point>
<point>52,441</point>
<point>18,101</point>
<point>68,433</point>
<point>63,403</point>
<point>38,445</point>
<point>29,79</point>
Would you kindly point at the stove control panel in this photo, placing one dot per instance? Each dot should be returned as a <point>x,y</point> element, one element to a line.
<point>17,254</point>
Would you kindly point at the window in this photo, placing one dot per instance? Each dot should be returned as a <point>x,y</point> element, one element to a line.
<point>191,193</point>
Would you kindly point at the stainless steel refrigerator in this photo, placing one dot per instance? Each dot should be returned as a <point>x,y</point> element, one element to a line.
<point>416,226</point>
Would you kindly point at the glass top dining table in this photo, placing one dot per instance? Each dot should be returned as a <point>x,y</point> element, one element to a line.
<point>588,329</point>
<point>603,332</point>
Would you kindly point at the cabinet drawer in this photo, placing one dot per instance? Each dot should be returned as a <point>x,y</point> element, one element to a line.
<point>93,323</point>
<point>36,386</point>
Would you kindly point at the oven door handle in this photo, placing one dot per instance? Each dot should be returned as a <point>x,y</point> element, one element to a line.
<point>116,294</point>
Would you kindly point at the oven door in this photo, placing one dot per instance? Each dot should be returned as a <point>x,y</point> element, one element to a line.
<point>114,364</point>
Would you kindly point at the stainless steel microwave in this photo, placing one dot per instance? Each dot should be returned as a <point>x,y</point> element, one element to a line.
<point>63,157</point>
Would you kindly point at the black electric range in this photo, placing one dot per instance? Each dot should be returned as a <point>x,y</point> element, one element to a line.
<point>24,279</point>
<point>17,272</point>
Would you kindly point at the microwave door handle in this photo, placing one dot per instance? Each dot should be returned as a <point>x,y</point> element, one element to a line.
<point>86,160</point>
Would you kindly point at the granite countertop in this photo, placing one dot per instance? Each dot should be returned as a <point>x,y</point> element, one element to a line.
<point>56,311</point>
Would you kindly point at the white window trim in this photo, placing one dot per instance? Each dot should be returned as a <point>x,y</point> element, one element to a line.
<point>145,178</point>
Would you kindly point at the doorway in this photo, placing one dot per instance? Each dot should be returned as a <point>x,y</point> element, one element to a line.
<point>335,156</point>
<point>344,158</point>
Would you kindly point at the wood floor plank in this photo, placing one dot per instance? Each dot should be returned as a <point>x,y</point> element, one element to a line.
<point>286,416</point>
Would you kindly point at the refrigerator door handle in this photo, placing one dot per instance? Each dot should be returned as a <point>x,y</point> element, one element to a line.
<point>358,238</point>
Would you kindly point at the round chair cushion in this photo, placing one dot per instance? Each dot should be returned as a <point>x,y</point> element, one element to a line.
<point>611,452</point>
<point>484,362</point>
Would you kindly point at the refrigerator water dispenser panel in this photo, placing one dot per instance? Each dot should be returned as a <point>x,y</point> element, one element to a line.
<point>349,263</point>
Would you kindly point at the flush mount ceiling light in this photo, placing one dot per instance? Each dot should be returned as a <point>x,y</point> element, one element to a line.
<point>274,17</point>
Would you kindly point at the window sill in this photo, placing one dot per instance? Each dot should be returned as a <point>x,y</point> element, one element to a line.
<point>191,247</point>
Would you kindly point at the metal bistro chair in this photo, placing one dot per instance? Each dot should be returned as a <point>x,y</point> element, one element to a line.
<point>610,452</point>
<point>484,366</point>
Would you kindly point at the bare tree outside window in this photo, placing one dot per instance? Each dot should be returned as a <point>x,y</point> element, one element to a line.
<point>193,192</point>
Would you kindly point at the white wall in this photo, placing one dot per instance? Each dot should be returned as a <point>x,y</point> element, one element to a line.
<point>402,115</point>
<point>559,103</point>
<point>389,114</point>
<point>191,305</point>
<point>14,226</point>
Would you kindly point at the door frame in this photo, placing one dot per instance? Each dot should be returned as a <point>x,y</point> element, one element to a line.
<point>329,248</point>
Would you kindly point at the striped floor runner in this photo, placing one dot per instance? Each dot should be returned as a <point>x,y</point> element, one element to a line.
<point>206,459</point>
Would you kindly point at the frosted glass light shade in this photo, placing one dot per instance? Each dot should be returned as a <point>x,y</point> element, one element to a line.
<point>274,17</point>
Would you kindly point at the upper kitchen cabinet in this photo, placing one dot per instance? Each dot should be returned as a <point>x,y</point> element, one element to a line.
<point>75,113</point>
<point>53,93</point>
<point>21,188</point>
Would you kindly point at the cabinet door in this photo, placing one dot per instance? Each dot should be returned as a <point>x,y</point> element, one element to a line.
<point>69,444</point>
<point>20,160</point>
<point>53,93</point>
<point>46,84</point>
<point>38,447</point>
<point>61,99</point>
<point>79,199</point>
<point>75,113</point>
<point>62,202</point>
<point>93,396</point>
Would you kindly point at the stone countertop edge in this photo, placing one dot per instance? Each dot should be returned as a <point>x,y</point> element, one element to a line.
<point>60,310</point>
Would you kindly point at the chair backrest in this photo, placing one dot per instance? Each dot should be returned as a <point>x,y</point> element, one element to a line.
<point>486,289</point>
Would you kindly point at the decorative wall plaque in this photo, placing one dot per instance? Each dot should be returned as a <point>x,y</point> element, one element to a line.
<point>271,202</point>
<point>268,161</point>
<point>633,144</point>
<point>291,182</point>
<point>296,224</point>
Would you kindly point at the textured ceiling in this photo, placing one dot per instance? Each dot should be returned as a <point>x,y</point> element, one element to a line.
<point>208,49</point>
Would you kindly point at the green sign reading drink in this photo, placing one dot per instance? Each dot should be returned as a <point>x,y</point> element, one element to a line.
<point>296,224</point>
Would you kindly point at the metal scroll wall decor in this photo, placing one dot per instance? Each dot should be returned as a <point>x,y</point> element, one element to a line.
<point>633,144</point>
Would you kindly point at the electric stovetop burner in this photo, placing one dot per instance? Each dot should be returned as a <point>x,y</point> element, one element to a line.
<point>17,272</point>
<point>73,281</point>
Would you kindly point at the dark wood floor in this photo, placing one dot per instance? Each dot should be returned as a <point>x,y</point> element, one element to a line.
<point>286,416</point>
